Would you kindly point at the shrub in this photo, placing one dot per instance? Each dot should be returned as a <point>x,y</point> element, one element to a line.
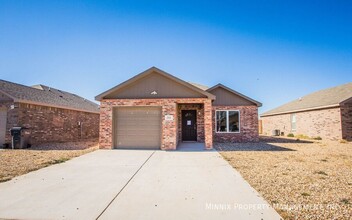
<point>317,138</point>
<point>290,135</point>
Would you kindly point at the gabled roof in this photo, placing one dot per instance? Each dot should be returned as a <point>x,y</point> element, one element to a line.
<point>331,97</point>
<point>234,92</point>
<point>150,71</point>
<point>47,96</point>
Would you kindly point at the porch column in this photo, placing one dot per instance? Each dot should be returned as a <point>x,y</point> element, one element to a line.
<point>105,130</point>
<point>169,126</point>
<point>208,125</point>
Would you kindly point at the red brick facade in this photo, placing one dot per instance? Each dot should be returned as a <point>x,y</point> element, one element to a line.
<point>171,130</point>
<point>154,87</point>
<point>346,121</point>
<point>49,124</point>
<point>169,136</point>
<point>248,125</point>
<point>330,124</point>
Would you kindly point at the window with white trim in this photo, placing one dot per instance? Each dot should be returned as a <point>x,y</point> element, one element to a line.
<point>227,121</point>
<point>293,122</point>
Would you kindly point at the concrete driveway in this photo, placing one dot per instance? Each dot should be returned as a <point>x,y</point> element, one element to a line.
<point>134,184</point>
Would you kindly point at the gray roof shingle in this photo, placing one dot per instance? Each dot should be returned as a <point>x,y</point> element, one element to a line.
<point>44,95</point>
<point>320,99</point>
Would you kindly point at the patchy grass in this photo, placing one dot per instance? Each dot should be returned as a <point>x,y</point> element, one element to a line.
<point>60,160</point>
<point>293,173</point>
<point>21,161</point>
<point>305,194</point>
<point>5,179</point>
<point>302,136</point>
<point>345,201</point>
<point>321,173</point>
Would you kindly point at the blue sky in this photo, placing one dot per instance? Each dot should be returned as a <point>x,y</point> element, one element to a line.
<point>272,51</point>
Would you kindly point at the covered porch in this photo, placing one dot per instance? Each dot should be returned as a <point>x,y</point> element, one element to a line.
<point>194,123</point>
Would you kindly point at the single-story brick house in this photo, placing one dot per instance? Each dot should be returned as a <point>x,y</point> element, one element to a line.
<point>157,110</point>
<point>48,114</point>
<point>326,114</point>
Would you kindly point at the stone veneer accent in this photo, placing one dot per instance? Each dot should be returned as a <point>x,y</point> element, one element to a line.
<point>169,129</point>
<point>49,124</point>
<point>248,125</point>
<point>325,123</point>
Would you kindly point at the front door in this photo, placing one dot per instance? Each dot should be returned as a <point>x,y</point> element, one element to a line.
<point>189,125</point>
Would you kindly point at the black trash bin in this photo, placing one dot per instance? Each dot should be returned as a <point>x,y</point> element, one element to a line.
<point>19,138</point>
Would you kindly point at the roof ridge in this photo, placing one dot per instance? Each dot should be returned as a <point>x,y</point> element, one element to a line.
<point>18,84</point>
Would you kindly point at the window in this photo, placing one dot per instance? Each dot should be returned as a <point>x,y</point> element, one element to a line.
<point>228,121</point>
<point>293,122</point>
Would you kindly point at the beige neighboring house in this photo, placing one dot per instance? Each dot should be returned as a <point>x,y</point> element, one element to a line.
<point>326,114</point>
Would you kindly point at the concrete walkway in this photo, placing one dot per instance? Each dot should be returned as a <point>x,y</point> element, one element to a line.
<point>135,184</point>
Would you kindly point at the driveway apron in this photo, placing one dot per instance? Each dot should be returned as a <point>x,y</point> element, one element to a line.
<point>188,185</point>
<point>135,184</point>
<point>80,188</point>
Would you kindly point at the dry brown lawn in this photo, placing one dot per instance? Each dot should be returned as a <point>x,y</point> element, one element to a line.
<point>18,162</point>
<point>300,179</point>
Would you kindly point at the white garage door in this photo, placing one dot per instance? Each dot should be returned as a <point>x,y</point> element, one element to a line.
<point>137,127</point>
<point>3,118</point>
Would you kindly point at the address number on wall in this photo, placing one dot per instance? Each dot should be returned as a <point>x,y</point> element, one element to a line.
<point>169,117</point>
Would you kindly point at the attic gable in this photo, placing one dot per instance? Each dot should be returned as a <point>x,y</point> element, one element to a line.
<point>227,97</point>
<point>154,83</point>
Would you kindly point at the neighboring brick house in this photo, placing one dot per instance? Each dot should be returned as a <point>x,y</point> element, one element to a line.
<point>48,114</point>
<point>326,114</point>
<point>157,110</point>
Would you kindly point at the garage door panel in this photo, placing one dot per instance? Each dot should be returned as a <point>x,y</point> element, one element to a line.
<point>138,123</point>
<point>137,127</point>
<point>140,132</point>
<point>128,142</point>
